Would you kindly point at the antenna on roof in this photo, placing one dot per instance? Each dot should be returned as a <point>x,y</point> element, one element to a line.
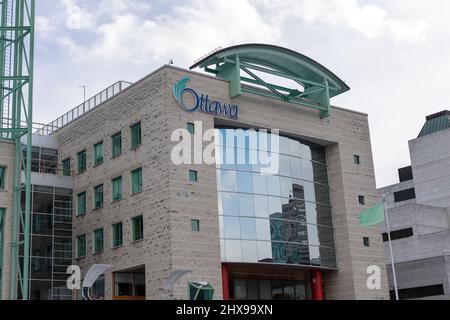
<point>171,62</point>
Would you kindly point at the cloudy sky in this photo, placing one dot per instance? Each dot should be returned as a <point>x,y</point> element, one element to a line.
<point>394,54</point>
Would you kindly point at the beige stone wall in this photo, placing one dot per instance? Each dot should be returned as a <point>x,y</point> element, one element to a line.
<point>7,155</point>
<point>143,102</point>
<point>345,133</point>
<point>170,201</point>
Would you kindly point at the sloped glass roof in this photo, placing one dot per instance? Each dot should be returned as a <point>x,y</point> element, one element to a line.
<point>435,123</point>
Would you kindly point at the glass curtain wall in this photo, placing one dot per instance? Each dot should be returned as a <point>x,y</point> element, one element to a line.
<point>51,243</point>
<point>280,218</point>
<point>43,160</point>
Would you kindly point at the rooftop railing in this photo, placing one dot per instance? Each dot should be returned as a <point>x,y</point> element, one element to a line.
<point>83,108</point>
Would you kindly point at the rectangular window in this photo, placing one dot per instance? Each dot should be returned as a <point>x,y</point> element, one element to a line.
<point>195,224</point>
<point>193,176</point>
<point>98,154</point>
<point>362,200</point>
<point>136,135</point>
<point>66,167</point>
<point>191,128</point>
<point>366,241</point>
<point>117,189</point>
<point>136,181</point>
<point>81,199</point>
<point>138,228</point>
<point>117,235</point>
<point>405,195</point>
<point>357,159</point>
<point>81,161</point>
<point>116,144</point>
<point>98,241</point>
<point>420,292</point>
<point>98,197</point>
<point>2,178</point>
<point>399,234</point>
<point>81,246</point>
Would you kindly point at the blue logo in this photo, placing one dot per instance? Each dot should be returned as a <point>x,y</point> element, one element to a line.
<point>201,102</point>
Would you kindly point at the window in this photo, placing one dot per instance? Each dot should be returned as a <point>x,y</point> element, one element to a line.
<point>98,197</point>
<point>193,176</point>
<point>116,144</point>
<point>195,224</point>
<point>66,167</point>
<point>81,209</point>
<point>117,235</point>
<point>420,292</point>
<point>98,241</point>
<point>357,159</point>
<point>117,189</point>
<point>81,162</point>
<point>136,135</point>
<point>366,241</point>
<point>138,228</point>
<point>191,128</point>
<point>136,181</point>
<point>2,177</point>
<point>399,234</point>
<point>81,246</point>
<point>362,200</point>
<point>405,195</point>
<point>98,154</point>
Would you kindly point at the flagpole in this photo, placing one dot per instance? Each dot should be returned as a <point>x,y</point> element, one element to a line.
<point>390,249</point>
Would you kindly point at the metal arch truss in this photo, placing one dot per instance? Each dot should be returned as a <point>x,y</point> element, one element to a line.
<point>16,113</point>
<point>315,95</point>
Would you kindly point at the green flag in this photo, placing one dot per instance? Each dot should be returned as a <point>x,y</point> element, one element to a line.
<point>372,216</point>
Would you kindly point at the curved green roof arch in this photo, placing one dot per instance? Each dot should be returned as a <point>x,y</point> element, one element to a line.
<point>319,83</point>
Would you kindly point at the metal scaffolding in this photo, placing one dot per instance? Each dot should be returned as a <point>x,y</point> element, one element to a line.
<point>16,122</point>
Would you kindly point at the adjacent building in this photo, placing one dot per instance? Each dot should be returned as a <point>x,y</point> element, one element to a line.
<point>418,209</point>
<point>107,190</point>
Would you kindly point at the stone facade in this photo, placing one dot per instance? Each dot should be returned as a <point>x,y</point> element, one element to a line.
<point>169,200</point>
<point>7,152</point>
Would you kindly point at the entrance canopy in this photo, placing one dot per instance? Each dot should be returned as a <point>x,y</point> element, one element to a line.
<point>244,66</point>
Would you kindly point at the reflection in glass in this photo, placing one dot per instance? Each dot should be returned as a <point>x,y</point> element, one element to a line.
<point>283,218</point>
<point>246,205</point>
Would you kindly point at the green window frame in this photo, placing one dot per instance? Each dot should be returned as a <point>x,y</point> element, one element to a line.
<point>136,135</point>
<point>98,241</point>
<point>362,200</point>
<point>195,225</point>
<point>116,142</point>
<point>357,159</point>
<point>193,176</point>
<point>2,177</point>
<point>136,181</point>
<point>98,197</point>
<point>117,189</point>
<point>81,246</point>
<point>98,154</point>
<point>81,161</point>
<point>81,204</point>
<point>138,228</point>
<point>191,128</point>
<point>66,168</point>
<point>366,242</point>
<point>117,235</point>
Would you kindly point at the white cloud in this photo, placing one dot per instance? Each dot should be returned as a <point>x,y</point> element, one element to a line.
<point>75,17</point>
<point>191,30</point>
<point>370,20</point>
